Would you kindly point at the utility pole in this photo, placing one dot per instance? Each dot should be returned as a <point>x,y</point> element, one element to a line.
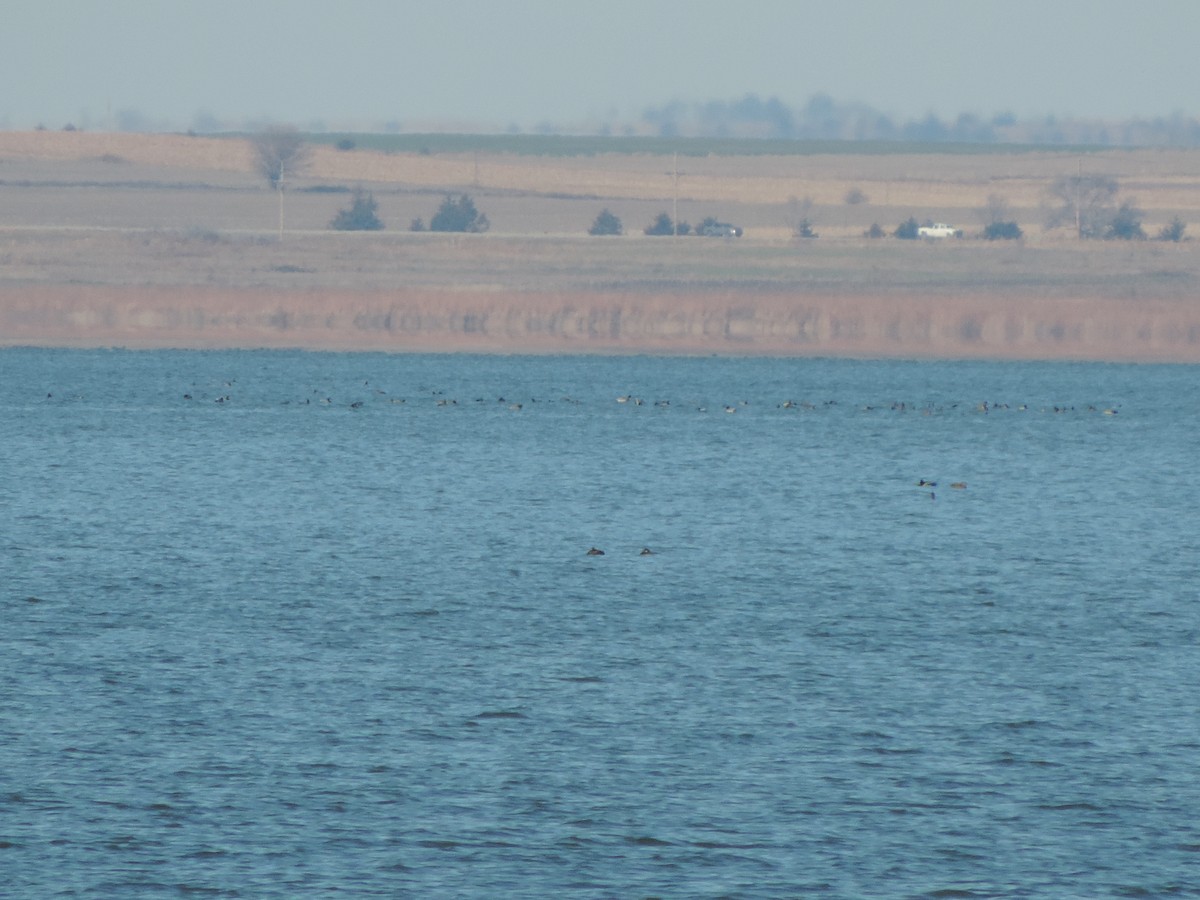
<point>1079,199</point>
<point>281,201</point>
<point>675,194</point>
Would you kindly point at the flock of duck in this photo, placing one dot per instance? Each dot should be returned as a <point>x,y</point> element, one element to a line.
<point>439,399</point>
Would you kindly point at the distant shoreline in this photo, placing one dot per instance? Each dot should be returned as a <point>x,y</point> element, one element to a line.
<point>980,326</point>
<point>119,240</point>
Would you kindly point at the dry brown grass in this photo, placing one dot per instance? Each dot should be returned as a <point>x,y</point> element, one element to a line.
<point>1165,182</point>
<point>164,150</point>
<point>378,261</point>
<point>182,223</point>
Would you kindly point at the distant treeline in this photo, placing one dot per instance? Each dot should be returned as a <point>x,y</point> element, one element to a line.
<point>824,119</point>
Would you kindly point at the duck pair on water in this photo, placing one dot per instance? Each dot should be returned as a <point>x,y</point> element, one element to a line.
<point>596,551</point>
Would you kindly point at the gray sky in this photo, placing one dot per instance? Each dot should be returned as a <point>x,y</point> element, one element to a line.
<point>358,63</point>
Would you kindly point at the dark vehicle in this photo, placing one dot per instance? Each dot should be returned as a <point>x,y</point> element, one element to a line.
<point>719,229</point>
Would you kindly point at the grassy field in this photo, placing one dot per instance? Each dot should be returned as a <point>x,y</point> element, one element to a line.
<point>52,179</point>
<point>168,257</point>
<point>163,212</point>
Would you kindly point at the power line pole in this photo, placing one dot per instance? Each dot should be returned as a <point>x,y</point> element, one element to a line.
<point>1079,201</point>
<point>281,201</point>
<point>675,194</point>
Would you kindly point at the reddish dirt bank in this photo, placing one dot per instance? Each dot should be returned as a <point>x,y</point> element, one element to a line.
<point>977,326</point>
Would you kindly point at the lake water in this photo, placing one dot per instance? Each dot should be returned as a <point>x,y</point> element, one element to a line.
<point>282,624</point>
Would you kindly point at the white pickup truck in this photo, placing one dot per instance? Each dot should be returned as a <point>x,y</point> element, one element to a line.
<point>939,230</point>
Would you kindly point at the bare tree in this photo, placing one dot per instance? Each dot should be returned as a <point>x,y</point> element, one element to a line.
<point>280,153</point>
<point>1085,201</point>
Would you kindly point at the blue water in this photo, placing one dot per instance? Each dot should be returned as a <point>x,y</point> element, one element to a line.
<point>329,627</point>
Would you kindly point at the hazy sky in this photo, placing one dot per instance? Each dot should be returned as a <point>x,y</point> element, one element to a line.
<point>522,62</point>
